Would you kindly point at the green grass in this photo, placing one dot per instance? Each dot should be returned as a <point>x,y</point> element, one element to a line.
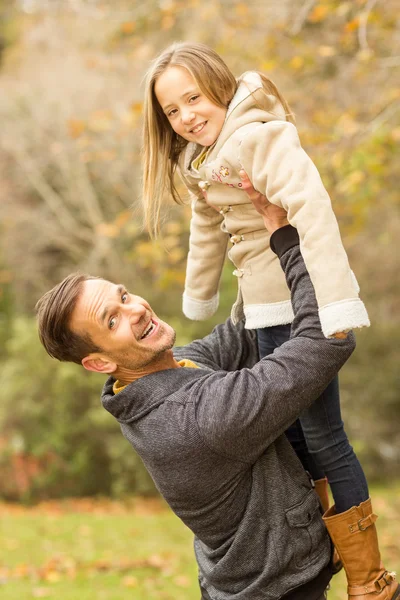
<point>85,550</point>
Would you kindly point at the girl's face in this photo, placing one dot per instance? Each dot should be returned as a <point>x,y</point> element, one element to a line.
<point>191,114</point>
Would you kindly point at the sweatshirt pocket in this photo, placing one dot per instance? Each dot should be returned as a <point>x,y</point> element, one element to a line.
<point>305,521</point>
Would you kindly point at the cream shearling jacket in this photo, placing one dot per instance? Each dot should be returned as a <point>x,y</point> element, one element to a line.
<point>258,139</point>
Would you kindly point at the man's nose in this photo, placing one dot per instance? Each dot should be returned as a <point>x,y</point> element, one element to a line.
<point>136,311</point>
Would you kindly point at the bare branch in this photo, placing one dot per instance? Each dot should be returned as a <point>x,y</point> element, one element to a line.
<point>301,17</point>
<point>384,116</point>
<point>362,28</point>
<point>87,193</point>
<point>52,199</point>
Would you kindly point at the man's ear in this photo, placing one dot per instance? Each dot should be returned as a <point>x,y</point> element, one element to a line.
<point>98,365</point>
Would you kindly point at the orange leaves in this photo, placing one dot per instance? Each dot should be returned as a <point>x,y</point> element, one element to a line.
<point>319,13</point>
<point>140,507</point>
<point>100,120</point>
<point>395,134</point>
<point>5,276</point>
<point>350,184</point>
<point>128,27</point>
<point>115,228</point>
<point>169,11</point>
<point>104,121</point>
<point>136,108</point>
<point>108,230</point>
<point>62,567</point>
<point>327,51</point>
<point>352,25</point>
<point>297,63</point>
<point>76,128</point>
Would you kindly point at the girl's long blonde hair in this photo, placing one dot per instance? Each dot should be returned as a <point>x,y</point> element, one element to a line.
<point>162,146</point>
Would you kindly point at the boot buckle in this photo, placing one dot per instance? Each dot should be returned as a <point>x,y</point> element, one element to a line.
<point>385,579</point>
<point>363,524</point>
<point>359,526</point>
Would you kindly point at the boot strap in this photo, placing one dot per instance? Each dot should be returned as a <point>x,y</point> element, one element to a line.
<point>363,524</point>
<point>376,586</point>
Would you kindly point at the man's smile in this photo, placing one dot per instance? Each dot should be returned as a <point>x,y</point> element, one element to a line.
<point>149,330</point>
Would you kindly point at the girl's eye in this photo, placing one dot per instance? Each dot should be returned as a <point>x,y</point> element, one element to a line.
<point>192,98</point>
<point>171,112</point>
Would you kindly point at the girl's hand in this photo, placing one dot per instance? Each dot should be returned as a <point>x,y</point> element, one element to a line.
<point>274,216</point>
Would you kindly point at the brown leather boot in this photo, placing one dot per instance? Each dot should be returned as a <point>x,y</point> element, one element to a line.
<point>354,535</point>
<point>321,487</point>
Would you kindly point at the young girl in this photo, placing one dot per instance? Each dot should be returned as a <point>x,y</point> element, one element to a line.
<point>209,126</point>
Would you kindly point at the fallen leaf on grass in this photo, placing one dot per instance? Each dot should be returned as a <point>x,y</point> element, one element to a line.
<point>130,581</point>
<point>182,581</point>
<point>41,592</point>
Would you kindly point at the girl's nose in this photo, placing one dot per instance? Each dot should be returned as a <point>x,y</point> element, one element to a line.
<point>187,117</point>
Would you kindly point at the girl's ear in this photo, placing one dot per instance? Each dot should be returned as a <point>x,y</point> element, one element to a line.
<point>98,365</point>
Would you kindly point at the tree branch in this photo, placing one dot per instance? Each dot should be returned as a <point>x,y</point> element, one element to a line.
<point>301,17</point>
<point>362,28</point>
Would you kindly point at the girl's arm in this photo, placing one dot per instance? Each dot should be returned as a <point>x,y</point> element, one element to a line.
<point>207,250</point>
<point>280,169</point>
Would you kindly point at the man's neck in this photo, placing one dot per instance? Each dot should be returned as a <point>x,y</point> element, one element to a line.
<point>161,363</point>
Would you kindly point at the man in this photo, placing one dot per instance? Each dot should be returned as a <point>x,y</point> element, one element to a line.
<point>207,420</point>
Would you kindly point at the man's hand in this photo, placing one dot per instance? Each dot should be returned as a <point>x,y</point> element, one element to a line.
<point>274,217</point>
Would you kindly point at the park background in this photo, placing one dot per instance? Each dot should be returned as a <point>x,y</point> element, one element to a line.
<point>80,516</point>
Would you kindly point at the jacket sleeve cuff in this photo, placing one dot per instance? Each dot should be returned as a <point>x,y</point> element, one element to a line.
<point>343,316</point>
<point>283,239</point>
<point>199,310</point>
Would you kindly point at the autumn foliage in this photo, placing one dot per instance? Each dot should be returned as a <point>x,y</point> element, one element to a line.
<point>70,153</point>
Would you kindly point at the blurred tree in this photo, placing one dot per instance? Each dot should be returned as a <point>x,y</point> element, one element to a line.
<point>55,440</point>
<point>70,107</point>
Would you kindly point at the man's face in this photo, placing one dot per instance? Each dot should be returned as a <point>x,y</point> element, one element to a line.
<point>122,325</point>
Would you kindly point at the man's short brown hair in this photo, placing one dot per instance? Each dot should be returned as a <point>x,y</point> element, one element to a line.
<point>54,311</point>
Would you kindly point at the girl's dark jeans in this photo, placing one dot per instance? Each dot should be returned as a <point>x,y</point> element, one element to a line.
<point>318,436</point>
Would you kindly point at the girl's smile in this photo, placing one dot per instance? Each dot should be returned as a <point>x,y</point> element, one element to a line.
<point>191,114</point>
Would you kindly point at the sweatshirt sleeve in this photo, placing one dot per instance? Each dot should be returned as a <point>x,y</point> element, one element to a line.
<point>207,250</point>
<point>280,169</point>
<point>240,413</point>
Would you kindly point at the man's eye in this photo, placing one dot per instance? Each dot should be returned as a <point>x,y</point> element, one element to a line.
<point>124,297</point>
<point>112,322</point>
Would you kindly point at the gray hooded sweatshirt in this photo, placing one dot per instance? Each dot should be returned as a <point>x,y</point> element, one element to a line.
<point>212,440</point>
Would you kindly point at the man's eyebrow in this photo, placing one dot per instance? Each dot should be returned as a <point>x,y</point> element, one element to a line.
<point>118,292</point>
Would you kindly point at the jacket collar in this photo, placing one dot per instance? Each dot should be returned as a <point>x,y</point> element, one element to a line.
<point>246,107</point>
<point>142,396</point>
<point>247,83</point>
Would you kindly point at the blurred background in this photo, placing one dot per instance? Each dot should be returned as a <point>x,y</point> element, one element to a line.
<point>70,149</point>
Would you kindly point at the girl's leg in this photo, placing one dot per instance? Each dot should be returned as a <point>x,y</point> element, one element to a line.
<point>351,522</point>
<point>295,435</point>
<point>328,444</point>
<point>270,338</point>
